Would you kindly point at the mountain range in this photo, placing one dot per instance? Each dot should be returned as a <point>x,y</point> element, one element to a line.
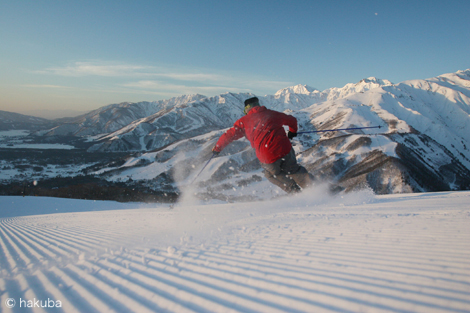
<point>147,126</point>
<point>13,121</point>
<point>422,144</point>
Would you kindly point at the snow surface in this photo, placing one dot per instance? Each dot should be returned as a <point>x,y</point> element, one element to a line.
<point>15,139</point>
<point>14,133</point>
<point>309,253</point>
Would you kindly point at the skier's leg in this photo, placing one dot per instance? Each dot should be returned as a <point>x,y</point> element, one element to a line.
<point>295,171</point>
<point>302,178</point>
<point>274,174</point>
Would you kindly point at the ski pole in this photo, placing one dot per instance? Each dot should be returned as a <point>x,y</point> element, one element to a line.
<point>207,163</point>
<point>333,130</point>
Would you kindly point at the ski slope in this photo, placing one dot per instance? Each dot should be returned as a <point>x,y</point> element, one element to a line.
<point>309,253</point>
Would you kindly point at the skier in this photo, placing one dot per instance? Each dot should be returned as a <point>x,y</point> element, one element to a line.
<point>264,129</point>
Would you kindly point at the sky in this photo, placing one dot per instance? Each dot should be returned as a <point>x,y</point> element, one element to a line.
<point>81,55</point>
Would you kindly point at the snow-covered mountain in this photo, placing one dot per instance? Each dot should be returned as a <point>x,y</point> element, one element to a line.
<point>422,147</point>
<point>13,121</point>
<point>422,144</point>
<point>302,96</point>
<point>185,118</point>
<point>113,117</point>
<point>147,126</point>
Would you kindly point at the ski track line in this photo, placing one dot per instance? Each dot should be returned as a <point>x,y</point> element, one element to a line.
<point>134,282</point>
<point>73,244</point>
<point>58,290</point>
<point>112,290</point>
<point>345,278</point>
<point>433,271</point>
<point>83,233</point>
<point>33,289</point>
<point>291,292</point>
<point>77,243</point>
<point>275,268</point>
<point>231,289</point>
<point>170,276</point>
<point>408,264</point>
<point>76,291</point>
<point>7,261</point>
<point>406,260</point>
<point>20,260</point>
<point>61,233</point>
<point>357,237</point>
<point>337,286</point>
<point>37,243</point>
<point>82,230</point>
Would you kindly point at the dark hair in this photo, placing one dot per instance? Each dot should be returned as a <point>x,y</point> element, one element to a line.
<point>251,101</point>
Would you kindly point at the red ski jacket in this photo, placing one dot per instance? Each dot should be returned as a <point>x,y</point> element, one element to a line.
<point>264,129</point>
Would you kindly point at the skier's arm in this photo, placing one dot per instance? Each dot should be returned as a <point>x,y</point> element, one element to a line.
<point>290,121</point>
<point>232,134</point>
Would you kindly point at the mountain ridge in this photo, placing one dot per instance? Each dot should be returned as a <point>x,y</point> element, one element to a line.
<point>13,121</point>
<point>422,146</point>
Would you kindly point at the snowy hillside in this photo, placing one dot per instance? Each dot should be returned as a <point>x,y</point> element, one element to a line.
<point>146,126</point>
<point>422,145</point>
<point>185,119</point>
<point>309,253</point>
<point>302,96</point>
<point>113,117</point>
<point>15,121</point>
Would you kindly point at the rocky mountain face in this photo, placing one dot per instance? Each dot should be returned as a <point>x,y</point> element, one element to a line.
<point>184,118</point>
<point>111,118</point>
<point>147,126</point>
<point>422,144</point>
<point>422,147</point>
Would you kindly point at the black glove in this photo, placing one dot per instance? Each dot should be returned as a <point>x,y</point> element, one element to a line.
<point>214,152</point>
<point>291,135</point>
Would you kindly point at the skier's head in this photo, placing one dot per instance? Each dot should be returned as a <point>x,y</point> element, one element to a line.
<point>251,103</point>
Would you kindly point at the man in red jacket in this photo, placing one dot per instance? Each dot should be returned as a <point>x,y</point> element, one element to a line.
<point>264,130</point>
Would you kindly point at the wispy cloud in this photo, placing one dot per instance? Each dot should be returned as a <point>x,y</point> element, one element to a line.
<point>168,80</point>
<point>46,86</point>
<point>95,69</point>
<point>196,77</point>
<point>154,85</point>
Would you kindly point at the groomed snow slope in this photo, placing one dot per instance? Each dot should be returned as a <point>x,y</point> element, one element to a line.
<point>353,253</point>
